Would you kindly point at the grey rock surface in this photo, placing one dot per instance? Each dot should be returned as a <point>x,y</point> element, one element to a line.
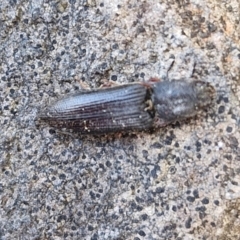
<point>179,182</point>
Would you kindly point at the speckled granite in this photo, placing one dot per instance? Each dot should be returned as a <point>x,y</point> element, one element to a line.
<point>180,182</point>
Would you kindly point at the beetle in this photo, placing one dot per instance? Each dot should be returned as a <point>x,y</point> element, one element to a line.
<point>136,106</point>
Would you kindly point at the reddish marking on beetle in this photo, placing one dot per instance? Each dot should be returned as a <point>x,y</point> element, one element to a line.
<point>150,83</point>
<point>154,80</point>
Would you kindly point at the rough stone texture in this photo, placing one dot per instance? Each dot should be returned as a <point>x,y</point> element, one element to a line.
<point>180,182</point>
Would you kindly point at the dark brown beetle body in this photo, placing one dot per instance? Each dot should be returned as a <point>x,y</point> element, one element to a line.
<point>138,106</point>
<point>102,111</point>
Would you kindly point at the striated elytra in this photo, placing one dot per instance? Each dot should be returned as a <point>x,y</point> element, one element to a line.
<point>137,106</point>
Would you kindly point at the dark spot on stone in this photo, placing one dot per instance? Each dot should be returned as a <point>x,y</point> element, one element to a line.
<point>188,223</point>
<point>187,148</point>
<point>73,228</point>
<point>234,183</point>
<point>108,164</point>
<point>92,194</point>
<point>174,208</point>
<point>154,171</point>
<point>205,201</point>
<point>94,237</point>
<point>115,216</point>
<point>38,45</point>
<point>79,214</point>
<point>65,17</point>
<point>40,64</point>
<point>98,195</point>
<point>145,153</point>
<point>115,46</point>
<point>156,145</point>
<point>114,77</point>
<point>201,209</point>
<point>229,129</point>
<point>142,75</point>
<point>169,228</point>
<point>160,190</point>
<point>104,65</point>
<point>202,215</point>
<point>160,157</point>
<point>195,193</point>
<point>139,200</point>
<point>206,141</point>
<point>122,181</point>
<point>93,56</point>
<point>136,75</point>
<point>139,208</point>
<point>225,99</point>
<point>210,46</point>
<point>101,4</point>
<point>58,59</point>
<point>141,29</point>
<point>228,157</point>
<point>225,168</point>
<point>62,176</point>
<point>61,218</point>
<point>176,144</point>
<point>221,109</point>
<point>144,217</point>
<point>172,169</point>
<point>168,140</point>
<point>101,166</point>
<point>133,205</point>
<point>211,27</point>
<point>213,224</point>
<point>190,198</point>
<point>198,146</point>
<point>142,233</point>
<point>52,131</point>
<point>90,228</point>
<point>177,159</point>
